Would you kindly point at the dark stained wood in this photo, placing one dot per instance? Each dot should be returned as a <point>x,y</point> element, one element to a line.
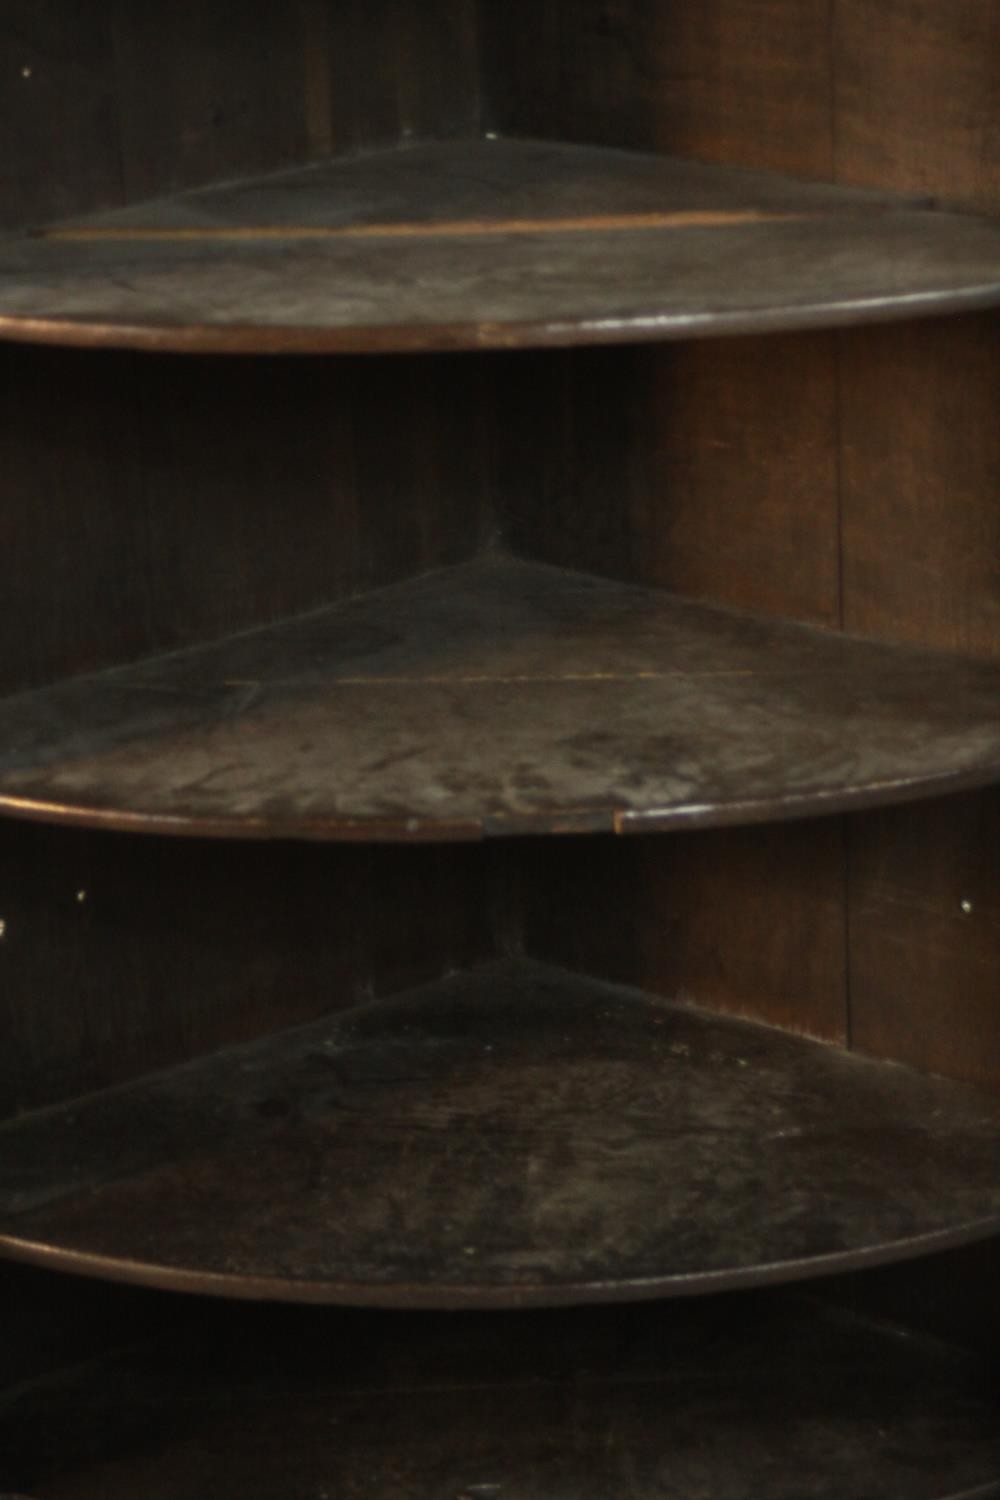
<point>58,118</point>
<point>401,70</point>
<point>515,1136</point>
<point>707,468</point>
<point>208,91</point>
<point>100,107</point>
<point>921,539</point>
<point>745,494</point>
<point>721,80</point>
<point>925,936</point>
<point>916,97</point>
<point>710,469</point>
<point>120,957</point>
<point>921,476</point>
<point>896,94</point>
<point>159,473</point>
<point>746,922</point>
<point>768,1397</point>
<point>182,275</point>
<point>500,697</point>
<point>72,516</point>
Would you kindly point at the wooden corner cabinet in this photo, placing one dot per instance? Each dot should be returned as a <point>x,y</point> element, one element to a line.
<point>499,749</point>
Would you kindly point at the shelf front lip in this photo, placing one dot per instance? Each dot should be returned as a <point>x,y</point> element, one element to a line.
<point>415,1296</point>
<point>435,338</point>
<point>568,821</point>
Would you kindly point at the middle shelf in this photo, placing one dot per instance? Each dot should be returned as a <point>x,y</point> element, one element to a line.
<point>514,1135</point>
<point>501,697</point>
<point>491,244</point>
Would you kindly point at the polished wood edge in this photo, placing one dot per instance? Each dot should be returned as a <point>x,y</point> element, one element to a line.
<point>416,1297</point>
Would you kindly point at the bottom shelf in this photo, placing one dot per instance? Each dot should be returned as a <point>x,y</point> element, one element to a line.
<point>732,1398</point>
<point>515,1135</point>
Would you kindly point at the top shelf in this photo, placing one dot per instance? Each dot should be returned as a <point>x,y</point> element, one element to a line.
<point>490,244</point>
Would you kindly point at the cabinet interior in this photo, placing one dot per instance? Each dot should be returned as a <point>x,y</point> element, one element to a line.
<point>844,478</point>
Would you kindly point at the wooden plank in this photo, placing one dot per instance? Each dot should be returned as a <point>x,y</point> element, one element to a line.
<point>501,697</point>
<point>104,465</point>
<point>401,71</point>
<point>208,91</point>
<point>921,476</point>
<point>70,510</point>
<point>925,936</point>
<point>721,80</point>
<point>123,957</point>
<point>362,1159</point>
<point>705,507</point>
<point>368,276</point>
<point>746,922</point>
<point>58,117</point>
<point>760,1395</point>
<point>916,97</point>
<point>921,473</point>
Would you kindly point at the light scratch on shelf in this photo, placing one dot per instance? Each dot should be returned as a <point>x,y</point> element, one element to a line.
<point>457,228</point>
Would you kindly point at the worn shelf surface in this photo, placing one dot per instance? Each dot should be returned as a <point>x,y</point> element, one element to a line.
<point>733,1400</point>
<point>500,697</point>
<point>516,1135</point>
<point>491,244</point>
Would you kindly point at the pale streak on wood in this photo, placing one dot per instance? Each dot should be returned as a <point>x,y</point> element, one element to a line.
<point>457,228</point>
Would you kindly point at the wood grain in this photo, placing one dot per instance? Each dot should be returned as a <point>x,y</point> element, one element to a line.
<point>638,1149</point>
<point>158,472</point>
<point>921,538</point>
<point>58,117</point>
<point>916,97</point>
<point>208,91</point>
<point>371,273</point>
<point>729,491</point>
<point>500,698</point>
<point>120,957</point>
<point>721,80</point>
<point>401,70</point>
<point>746,922</point>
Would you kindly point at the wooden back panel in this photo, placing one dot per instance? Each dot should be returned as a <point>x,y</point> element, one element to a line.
<point>105,105</point>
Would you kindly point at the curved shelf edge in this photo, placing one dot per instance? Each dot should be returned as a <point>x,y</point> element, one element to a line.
<point>470,245</point>
<point>444,338</point>
<point>622,822</point>
<point>498,698</point>
<point>416,1152</point>
<point>455,1298</point>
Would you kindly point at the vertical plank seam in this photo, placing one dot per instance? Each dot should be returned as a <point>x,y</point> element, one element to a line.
<point>317,81</point>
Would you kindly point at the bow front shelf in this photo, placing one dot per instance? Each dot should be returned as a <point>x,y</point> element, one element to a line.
<point>501,697</point>
<point>511,1137</point>
<point>440,442</point>
<point>491,244</point>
